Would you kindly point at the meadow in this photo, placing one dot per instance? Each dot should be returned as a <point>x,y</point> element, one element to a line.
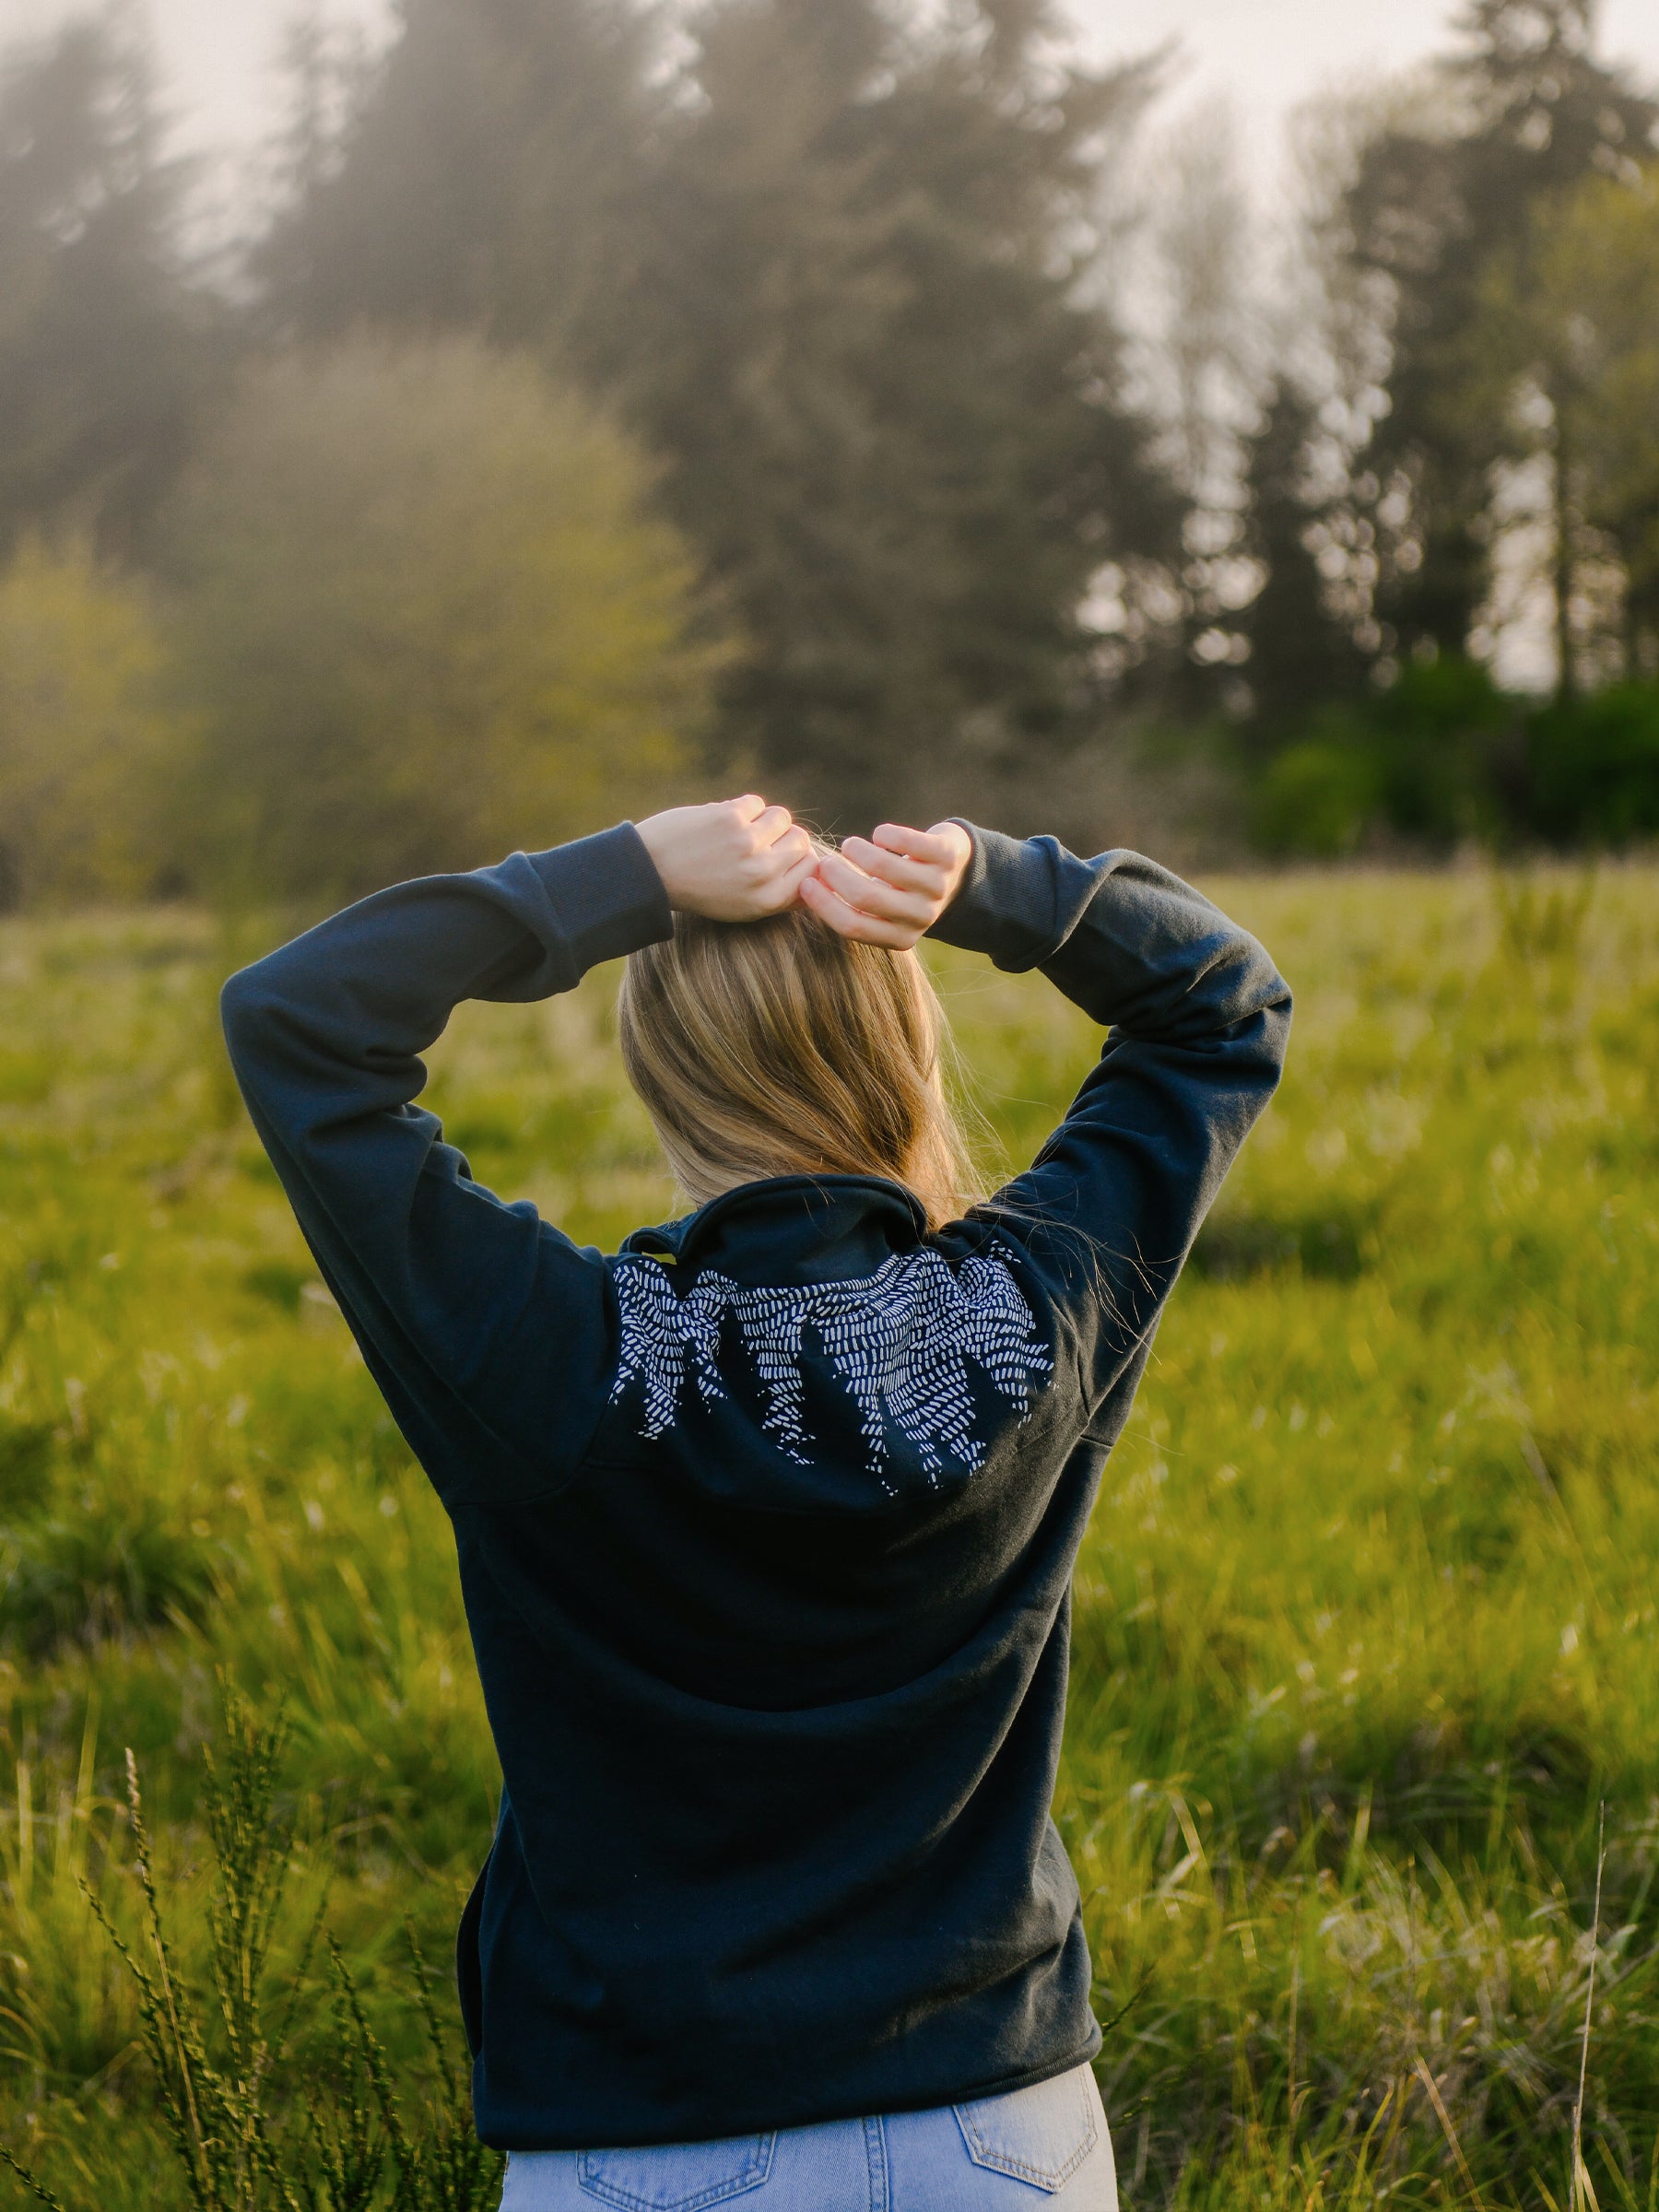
<point>1364,1713</point>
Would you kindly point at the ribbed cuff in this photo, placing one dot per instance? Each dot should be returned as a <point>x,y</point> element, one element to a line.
<point>1006,905</point>
<point>607,895</point>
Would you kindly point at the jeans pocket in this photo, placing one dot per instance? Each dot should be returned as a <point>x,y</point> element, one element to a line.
<point>676,2177</point>
<point>1041,2136</point>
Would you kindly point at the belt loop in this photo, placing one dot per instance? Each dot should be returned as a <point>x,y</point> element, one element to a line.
<point>876,2157</point>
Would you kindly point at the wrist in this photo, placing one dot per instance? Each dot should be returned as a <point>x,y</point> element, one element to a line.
<point>656,835</point>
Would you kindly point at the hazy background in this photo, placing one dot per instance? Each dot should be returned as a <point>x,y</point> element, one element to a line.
<point>1234,430</point>
<point>1264,55</point>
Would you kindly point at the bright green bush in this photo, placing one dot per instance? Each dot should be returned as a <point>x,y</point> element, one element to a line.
<point>1317,799</point>
<point>1443,756</point>
<point>1447,746</point>
<point>1435,758</point>
<point>86,748</point>
<point>1595,768</point>
<point>422,613</point>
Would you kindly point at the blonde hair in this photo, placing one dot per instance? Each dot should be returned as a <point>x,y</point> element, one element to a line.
<point>782,1048</point>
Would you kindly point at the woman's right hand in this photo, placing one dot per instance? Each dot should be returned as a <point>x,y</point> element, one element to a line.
<point>736,860</point>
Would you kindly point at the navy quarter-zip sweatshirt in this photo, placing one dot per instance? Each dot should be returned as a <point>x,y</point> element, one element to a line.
<point>766,1524</point>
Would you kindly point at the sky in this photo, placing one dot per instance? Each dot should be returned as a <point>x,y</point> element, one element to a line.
<point>1265,54</point>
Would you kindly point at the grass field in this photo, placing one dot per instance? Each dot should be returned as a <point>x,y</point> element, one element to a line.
<point>1366,1629</point>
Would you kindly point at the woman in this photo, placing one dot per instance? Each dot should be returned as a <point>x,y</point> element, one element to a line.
<point>766,1524</point>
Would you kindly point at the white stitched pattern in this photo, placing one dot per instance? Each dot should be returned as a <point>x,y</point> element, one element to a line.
<point>899,1340</point>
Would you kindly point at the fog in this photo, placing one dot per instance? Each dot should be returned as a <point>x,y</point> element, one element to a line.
<point>1266,54</point>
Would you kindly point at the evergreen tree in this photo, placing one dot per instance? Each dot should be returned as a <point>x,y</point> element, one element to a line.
<point>1571,320</point>
<point>890,422</point>
<point>1430,210</point>
<point>829,273</point>
<point>105,349</point>
<point>1300,657</point>
<point>481,176</point>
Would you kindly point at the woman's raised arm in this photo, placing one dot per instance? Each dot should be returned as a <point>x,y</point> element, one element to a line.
<point>485,1327</point>
<point>1199,1022</point>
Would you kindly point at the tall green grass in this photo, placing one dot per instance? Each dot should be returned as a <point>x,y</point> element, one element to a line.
<point>1366,1627</point>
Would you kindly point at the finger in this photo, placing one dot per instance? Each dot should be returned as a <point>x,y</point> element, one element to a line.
<point>772,880</point>
<point>851,921</point>
<point>786,891</point>
<point>920,844</point>
<point>793,850</point>
<point>749,808</point>
<point>870,895</point>
<point>925,879</point>
<point>770,825</point>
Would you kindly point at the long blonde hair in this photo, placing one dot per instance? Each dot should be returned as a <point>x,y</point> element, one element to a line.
<point>781,1048</point>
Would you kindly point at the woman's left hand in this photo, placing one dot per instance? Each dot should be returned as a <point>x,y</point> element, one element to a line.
<point>891,888</point>
<point>736,860</point>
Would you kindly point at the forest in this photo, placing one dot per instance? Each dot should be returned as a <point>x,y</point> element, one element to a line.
<point>872,404</point>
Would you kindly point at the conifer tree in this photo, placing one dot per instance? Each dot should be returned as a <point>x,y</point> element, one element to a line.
<point>891,423</point>
<point>830,272</point>
<point>479,177</point>
<point>1300,657</point>
<point>106,349</point>
<point>1430,210</point>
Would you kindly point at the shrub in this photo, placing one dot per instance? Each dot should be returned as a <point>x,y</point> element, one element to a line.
<point>83,738</point>
<point>1317,798</point>
<point>1437,756</point>
<point>424,616</point>
<point>253,2120</point>
<point>1595,768</point>
<point>1444,735</point>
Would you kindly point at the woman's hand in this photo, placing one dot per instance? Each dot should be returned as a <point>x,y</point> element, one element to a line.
<point>734,861</point>
<point>889,888</point>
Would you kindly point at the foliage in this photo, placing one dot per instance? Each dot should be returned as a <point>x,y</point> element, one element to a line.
<point>1364,1630</point>
<point>1443,754</point>
<point>85,743</point>
<point>421,614</point>
<point>830,267</point>
<point>852,288</point>
<point>484,176</point>
<point>1526,111</point>
<point>1432,758</point>
<point>247,2131</point>
<point>1298,649</point>
<point>1318,798</point>
<point>1595,765</point>
<point>1571,316</point>
<point>913,512</point>
<point>1445,742</point>
<point>911,447</point>
<point>107,350</point>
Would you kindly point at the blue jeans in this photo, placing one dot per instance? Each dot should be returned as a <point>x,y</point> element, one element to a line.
<point>994,2155</point>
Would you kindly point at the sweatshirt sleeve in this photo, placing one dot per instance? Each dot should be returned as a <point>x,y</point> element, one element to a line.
<point>487,1330</point>
<point>1199,1020</point>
